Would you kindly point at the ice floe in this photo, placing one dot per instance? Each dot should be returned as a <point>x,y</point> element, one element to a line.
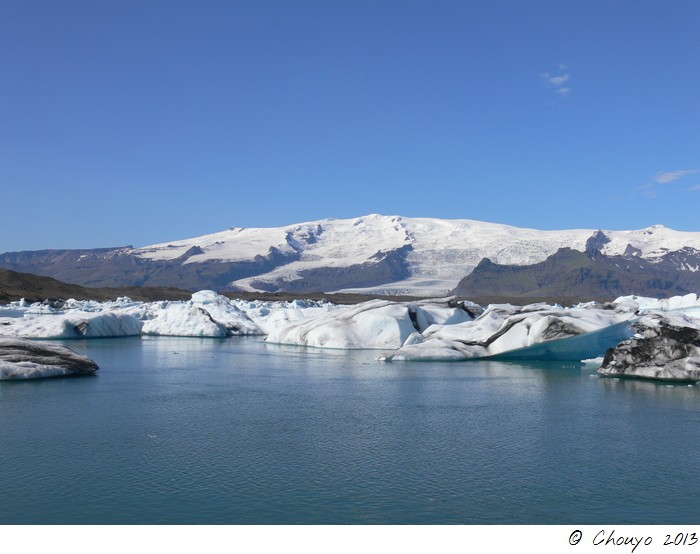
<point>25,359</point>
<point>207,314</point>
<point>377,324</point>
<point>638,337</point>
<point>73,324</point>
<point>687,304</point>
<point>535,332</point>
<point>666,347</point>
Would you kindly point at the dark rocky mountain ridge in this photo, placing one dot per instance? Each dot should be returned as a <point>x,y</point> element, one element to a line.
<point>37,288</point>
<point>587,275</point>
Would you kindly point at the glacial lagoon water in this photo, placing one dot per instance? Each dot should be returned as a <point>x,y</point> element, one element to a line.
<point>234,431</point>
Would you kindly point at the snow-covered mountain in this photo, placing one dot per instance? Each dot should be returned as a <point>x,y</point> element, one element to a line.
<point>374,253</point>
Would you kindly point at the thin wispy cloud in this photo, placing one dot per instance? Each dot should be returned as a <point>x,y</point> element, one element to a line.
<point>648,190</point>
<point>665,177</point>
<point>557,81</point>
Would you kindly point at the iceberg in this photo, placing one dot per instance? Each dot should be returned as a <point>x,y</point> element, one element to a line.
<point>72,325</point>
<point>25,359</point>
<point>534,332</point>
<point>208,314</point>
<point>639,337</point>
<point>688,304</point>
<point>665,348</point>
<point>376,324</point>
<point>184,320</point>
<point>269,315</point>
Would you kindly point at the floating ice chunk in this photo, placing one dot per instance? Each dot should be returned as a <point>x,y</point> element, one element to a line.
<point>41,308</point>
<point>575,348</point>
<point>666,348</point>
<point>268,316</point>
<point>374,324</point>
<point>225,313</point>
<point>208,297</point>
<point>535,332</point>
<point>688,304</point>
<point>24,359</point>
<point>184,320</point>
<point>208,314</point>
<point>71,325</point>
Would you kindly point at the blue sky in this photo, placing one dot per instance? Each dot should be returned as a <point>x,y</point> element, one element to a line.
<point>137,122</point>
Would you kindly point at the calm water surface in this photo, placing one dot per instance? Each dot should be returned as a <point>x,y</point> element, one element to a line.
<point>182,430</point>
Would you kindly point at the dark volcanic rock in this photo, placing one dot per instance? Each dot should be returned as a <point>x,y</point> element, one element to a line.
<point>585,276</point>
<point>595,244</point>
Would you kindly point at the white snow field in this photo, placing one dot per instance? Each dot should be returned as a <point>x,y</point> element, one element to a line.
<point>650,338</point>
<point>438,252</point>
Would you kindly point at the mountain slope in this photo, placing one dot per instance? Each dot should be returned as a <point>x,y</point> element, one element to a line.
<point>375,253</point>
<point>573,275</point>
<point>34,288</point>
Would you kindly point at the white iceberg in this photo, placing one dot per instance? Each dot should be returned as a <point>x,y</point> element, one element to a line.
<point>377,324</point>
<point>425,330</point>
<point>688,304</point>
<point>71,325</point>
<point>184,320</point>
<point>208,314</point>
<point>535,332</point>
<point>270,315</point>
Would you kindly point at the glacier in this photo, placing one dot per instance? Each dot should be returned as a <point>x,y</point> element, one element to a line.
<point>374,254</point>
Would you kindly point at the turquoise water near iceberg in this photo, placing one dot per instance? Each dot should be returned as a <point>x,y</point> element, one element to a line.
<point>184,430</point>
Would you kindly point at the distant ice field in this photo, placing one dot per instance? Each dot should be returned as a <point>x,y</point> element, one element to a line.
<point>437,252</point>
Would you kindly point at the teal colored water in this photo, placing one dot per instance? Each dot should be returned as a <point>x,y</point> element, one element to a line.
<point>182,430</point>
